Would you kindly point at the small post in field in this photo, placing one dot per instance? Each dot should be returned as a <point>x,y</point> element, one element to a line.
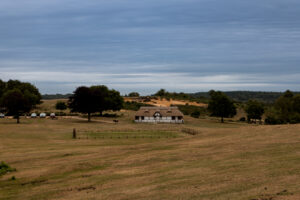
<point>74,133</point>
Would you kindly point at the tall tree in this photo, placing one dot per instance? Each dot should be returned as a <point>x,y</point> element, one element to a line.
<point>161,93</point>
<point>95,99</point>
<point>2,87</point>
<point>254,110</point>
<point>220,105</point>
<point>296,103</point>
<point>82,101</point>
<point>32,92</point>
<point>284,106</point>
<point>17,98</point>
<point>16,103</point>
<point>115,101</point>
<point>100,95</point>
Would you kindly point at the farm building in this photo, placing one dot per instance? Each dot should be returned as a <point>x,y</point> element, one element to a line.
<point>159,115</point>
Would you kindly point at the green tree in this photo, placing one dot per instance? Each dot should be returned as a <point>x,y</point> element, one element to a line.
<point>82,101</point>
<point>114,101</point>
<point>134,94</point>
<point>195,114</point>
<point>16,103</point>
<point>95,99</point>
<point>254,110</point>
<point>60,105</point>
<point>2,87</point>
<point>17,98</point>
<point>27,89</point>
<point>100,95</point>
<point>284,106</point>
<point>286,110</point>
<point>296,103</point>
<point>161,93</point>
<point>288,94</point>
<point>220,105</point>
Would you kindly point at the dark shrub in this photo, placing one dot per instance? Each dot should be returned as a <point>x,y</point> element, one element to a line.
<point>242,119</point>
<point>189,109</point>
<point>133,105</point>
<point>5,168</point>
<point>195,114</point>
<point>60,105</point>
<point>295,118</point>
<point>273,119</point>
<point>134,94</point>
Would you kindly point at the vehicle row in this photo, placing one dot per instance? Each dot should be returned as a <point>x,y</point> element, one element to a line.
<point>42,115</point>
<point>34,115</point>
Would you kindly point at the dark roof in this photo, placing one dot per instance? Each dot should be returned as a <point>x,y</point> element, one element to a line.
<point>164,111</point>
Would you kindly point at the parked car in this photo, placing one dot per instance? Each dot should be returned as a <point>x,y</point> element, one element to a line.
<point>43,115</point>
<point>33,115</point>
<point>2,115</point>
<point>52,115</point>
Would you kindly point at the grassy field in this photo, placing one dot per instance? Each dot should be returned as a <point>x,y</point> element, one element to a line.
<point>148,161</point>
<point>49,106</point>
<point>164,102</point>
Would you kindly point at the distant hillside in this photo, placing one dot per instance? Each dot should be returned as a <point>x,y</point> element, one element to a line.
<point>154,101</point>
<point>55,96</point>
<point>240,96</point>
<point>243,96</point>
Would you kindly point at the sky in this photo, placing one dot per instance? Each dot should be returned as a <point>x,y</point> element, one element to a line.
<point>145,45</point>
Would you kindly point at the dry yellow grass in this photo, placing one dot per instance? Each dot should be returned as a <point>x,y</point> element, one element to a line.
<point>225,161</point>
<point>49,106</point>
<point>165,103</point>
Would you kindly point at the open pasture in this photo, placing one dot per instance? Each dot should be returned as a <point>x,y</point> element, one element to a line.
<point>165,102</point>
<point>224,161</point>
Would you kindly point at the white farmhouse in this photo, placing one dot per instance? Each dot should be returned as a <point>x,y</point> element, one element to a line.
<point>159,115</point>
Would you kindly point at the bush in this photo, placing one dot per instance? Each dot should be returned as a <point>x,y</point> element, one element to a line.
<point>133,94</point>
<point>295,118</point>
<point>5,168</point>
<point>273,119</point>
<point>242,119</point>
<point>195,114</point>
<point>189,109</point>
<point>60,105</point>
<point>133,105</point>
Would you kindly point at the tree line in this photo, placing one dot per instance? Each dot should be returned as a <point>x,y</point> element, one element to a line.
<point>285,110</point>
<point>276,107</point>
<point>245,96</point>
<point>18,98</point>
<point>237,96</point>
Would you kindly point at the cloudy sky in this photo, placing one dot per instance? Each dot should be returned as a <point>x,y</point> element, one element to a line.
<point>145,45</point>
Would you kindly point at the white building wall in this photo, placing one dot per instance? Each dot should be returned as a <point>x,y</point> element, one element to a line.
<point>161,120</point>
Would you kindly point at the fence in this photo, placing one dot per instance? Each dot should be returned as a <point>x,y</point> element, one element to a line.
<point>190,131</point>
<point>138,134</point>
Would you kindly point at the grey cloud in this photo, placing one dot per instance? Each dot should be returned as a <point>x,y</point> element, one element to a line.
<point>193,38</point>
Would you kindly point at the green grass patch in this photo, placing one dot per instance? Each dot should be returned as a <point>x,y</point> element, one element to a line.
<point>5,168</point>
